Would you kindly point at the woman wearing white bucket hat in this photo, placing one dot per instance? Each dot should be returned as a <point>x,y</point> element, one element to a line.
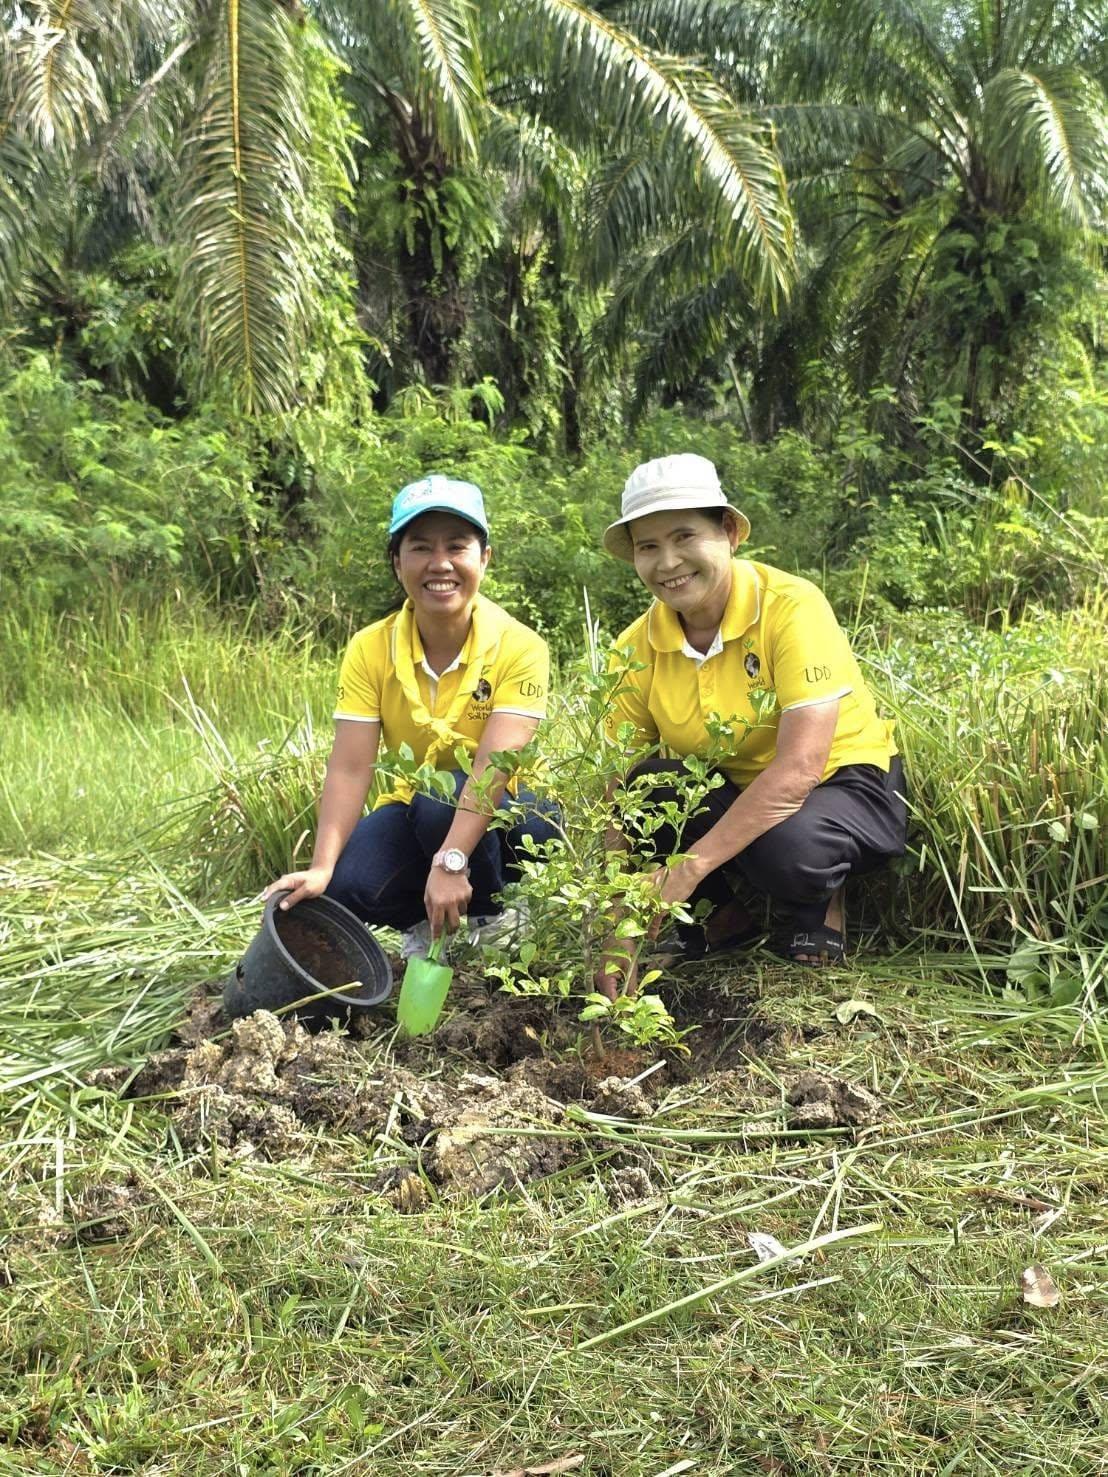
<point>812,790</point>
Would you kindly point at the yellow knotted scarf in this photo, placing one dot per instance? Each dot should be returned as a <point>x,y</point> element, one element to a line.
<point>487,625</point>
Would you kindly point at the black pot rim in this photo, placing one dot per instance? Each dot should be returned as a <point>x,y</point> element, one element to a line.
<point>355,926</point>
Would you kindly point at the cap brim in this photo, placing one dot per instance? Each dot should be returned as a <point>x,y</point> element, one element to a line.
<point>617,535</point>
<point>395,528</point>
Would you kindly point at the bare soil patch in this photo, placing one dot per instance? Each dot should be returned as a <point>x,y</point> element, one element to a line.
<point>484,1103</point>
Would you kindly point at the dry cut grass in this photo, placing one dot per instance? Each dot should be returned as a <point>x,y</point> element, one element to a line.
<point>234,1315</point>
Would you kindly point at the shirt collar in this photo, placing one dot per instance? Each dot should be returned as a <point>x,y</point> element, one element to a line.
<point>663,626</point>
<point>700,657</point>
<point>434,676</point>
<point>419,656</point>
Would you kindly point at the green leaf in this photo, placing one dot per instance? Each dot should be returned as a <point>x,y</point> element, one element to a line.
<point>1066,990</point>
<point>594,1012</point>
<point>247,282</point>
<point>1026,963</point>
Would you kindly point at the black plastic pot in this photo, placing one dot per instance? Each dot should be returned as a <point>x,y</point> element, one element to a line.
<point>315,946</point>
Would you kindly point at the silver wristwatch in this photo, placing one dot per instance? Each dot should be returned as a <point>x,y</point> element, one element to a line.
<point>453,860</point>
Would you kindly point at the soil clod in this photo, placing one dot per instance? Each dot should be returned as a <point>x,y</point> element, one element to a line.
<point>490,1142</point>
<point>405,1190</point>
<point>504,1030</point>
<point>820,1100</point>
<point>495,1119</point>
<point>630,1185</point>
<point>620,1099</point>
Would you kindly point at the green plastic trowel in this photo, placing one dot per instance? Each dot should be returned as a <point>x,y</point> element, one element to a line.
<point>423,991</point>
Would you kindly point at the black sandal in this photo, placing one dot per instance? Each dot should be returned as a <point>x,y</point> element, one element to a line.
<point>692,943</point>
<point>826,944</point>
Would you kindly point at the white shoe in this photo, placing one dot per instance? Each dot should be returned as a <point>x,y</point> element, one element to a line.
<point>415,942</point>
<point>493,930</point>
<point>498,930</point>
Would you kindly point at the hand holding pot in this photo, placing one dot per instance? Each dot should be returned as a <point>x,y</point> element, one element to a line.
<point>299,885</point>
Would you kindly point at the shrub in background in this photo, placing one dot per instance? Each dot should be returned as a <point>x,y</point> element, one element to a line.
<point>103,491</point>
<point>547,518</point>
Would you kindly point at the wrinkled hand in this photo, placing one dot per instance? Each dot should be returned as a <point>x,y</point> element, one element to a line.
<point>446,898</point>
<point>677,884</point>
<point>619,970</point>
<point>299,885</point>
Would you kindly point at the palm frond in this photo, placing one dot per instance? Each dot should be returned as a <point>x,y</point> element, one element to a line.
<point>692,329</point>
<point>546,178</point>
<point>664,269</point>
<point>420,55</point>
<point>443,31</point>
<point>1051,126</point>
<point>22,191</point>
<point>246,284</point>
<point>623,88</point>
<point>55,89</point>
<point>735,40</point>
<point>630,198</point>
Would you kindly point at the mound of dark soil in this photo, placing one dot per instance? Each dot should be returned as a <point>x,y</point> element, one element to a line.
<point>482,1103</point>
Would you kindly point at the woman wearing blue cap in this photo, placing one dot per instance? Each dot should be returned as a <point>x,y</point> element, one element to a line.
<point>448,669</point>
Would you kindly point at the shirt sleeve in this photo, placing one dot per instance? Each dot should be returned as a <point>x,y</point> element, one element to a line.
<point>812,660</point>
<point>628,702</point>
<point>359,694</point>
<point>522,678</point>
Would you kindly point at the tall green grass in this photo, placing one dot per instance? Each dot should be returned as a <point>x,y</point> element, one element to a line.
<point>1004,740</point>
<point>108,719</point>
<point>204,740</point>
<point>141,659</point>
<point>1003,735</point>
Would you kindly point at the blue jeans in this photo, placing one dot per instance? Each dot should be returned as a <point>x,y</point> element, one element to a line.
<point>382,872</point>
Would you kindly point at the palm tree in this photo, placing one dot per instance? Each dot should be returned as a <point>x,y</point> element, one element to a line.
<point>511,89</point>
<point>942,158</point>
<point>77,86</point>
<point>193,119</point>
<point>434,74</point>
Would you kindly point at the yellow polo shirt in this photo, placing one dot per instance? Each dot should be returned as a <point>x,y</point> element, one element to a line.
<point>779,647</point>
<point>504,665</point>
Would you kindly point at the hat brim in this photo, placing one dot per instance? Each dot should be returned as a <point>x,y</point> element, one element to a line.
<point>395,528</point>
<point>617,535</point>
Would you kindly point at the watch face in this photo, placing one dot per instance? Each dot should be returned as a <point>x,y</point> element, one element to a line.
<point>454,860</point>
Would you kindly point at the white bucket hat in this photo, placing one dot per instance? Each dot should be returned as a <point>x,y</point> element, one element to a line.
<point>667,484</point>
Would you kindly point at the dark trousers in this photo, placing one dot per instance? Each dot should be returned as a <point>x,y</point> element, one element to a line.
<point>850,824</point>
<point>382,872</point>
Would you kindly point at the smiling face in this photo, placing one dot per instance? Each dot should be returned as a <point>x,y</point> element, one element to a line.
<point>440,563</point>
<point>684,559</point>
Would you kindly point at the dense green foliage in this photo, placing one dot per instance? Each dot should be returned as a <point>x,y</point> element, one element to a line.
<point>100,485</point>
<point>274,206</point>
<point>262,264</point>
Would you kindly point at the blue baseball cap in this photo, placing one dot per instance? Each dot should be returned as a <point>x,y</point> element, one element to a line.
<point>437,494</point>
